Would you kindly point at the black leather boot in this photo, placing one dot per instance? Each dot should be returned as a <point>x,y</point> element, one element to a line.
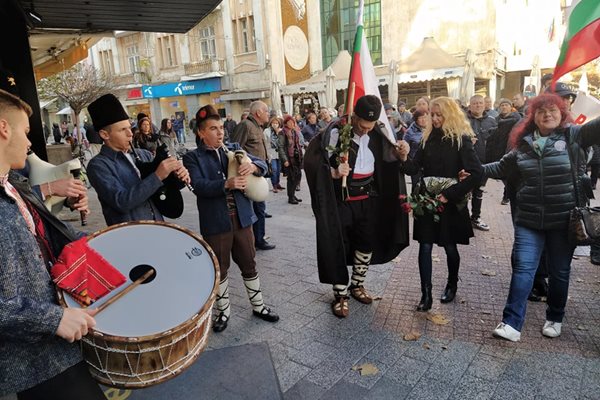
<point>426,299</point>
<point>449,293</point>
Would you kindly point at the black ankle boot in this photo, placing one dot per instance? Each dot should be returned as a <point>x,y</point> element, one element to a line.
<point>449,293</point>
<point>426,299</point>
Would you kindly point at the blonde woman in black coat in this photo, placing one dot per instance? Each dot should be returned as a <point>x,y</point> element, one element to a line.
<point>445,150</point>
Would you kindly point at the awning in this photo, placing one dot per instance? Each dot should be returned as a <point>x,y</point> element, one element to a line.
<point>207,75</point>
<point>431,75</point>
<point>116,15</point>
<point>429,62</point>
<point>46,103</point>
<point>65,111</point>
<point>64,60</point>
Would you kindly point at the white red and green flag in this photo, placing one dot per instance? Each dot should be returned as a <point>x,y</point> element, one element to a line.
<point>362,73</point>
<point>582,39</point>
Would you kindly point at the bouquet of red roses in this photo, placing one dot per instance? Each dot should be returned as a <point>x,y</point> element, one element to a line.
<point>420,204</point>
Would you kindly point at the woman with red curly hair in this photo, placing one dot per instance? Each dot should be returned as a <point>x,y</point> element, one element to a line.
<point>539,164</point>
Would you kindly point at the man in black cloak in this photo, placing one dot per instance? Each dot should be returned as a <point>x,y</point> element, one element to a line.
<point>362,223</point>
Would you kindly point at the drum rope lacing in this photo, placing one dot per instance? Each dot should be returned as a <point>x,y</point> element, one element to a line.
<point>168,368</point>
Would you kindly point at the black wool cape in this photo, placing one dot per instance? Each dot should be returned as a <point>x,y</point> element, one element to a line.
<point>391,224</point>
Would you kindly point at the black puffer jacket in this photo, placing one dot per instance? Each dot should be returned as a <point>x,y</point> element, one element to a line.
<point>545,190</point>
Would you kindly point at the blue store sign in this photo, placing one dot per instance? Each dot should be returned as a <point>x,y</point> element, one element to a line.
<point>182,88</point>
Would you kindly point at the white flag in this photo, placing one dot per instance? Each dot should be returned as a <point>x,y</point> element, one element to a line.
<point>585,108</point>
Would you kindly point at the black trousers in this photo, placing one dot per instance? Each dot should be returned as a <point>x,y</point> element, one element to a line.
<point>357,220</point>
<point>75,383</point>
<point>294,174</point>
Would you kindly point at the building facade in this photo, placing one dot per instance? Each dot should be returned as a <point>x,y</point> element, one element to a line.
<point>247,50</point>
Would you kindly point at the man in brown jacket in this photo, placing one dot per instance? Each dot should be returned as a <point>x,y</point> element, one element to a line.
<point>249,134</point>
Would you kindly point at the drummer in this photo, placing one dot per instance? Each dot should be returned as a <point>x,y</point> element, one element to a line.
<point>39,357</point>
<point>226,215</point>
<point>123,194</point>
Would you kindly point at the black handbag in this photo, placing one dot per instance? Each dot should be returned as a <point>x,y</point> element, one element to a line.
<point>584,221</point>
<point>269,173</point>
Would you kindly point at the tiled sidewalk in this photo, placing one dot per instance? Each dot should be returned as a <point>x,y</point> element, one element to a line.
<point>485,276</point>
<point>314,352</point>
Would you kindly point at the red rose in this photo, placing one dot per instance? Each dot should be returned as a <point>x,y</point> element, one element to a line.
<point>402,197</point>
<point>406,207</point>
<point>202,113</point>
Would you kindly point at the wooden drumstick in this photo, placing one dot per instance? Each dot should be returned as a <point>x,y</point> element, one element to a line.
<point>128,289</point>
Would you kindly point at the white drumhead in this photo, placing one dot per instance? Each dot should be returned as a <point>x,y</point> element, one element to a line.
<point>185,276</point>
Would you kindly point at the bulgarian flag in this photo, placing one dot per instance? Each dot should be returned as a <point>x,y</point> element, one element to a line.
<point>362,73</point>
<point>582,39</point>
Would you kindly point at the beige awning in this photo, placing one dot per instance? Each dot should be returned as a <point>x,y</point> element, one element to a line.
<point>429,62</point>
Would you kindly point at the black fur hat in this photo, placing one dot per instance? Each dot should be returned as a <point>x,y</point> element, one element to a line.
<point>368,107</point>
<point>106,110</point>
<point>206,112</point>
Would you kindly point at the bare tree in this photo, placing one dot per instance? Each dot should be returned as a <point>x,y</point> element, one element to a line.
<point>78,86</point>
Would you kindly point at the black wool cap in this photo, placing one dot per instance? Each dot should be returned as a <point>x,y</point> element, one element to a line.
<point>368,107</point>
<point>206,112</point>
<point>106,110</point>
<point>8,83</point>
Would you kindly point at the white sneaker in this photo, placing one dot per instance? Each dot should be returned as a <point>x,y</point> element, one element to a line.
<point>507,332</point>
<point>551,329</point>
<point>479,224</point>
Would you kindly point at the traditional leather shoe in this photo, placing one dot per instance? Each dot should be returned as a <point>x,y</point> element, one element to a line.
<point>360,294</point>
<point>340,306</point>
<point>265,246</point>
<point>266,314</point>
<point>449,294</point>
<point>297,199</point>
<point>280,187</point>
<point>292,201</point>
<point>267,215</point>
<point>426,299</point>
<point>220,323</point>
<point>595,258</point>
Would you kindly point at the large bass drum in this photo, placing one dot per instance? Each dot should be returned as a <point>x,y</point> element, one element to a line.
<point>159,328</point>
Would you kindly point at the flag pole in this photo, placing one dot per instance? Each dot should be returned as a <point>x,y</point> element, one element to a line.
<point>344,156</point>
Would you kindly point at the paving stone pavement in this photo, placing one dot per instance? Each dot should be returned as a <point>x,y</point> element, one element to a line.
<point>314,352</point>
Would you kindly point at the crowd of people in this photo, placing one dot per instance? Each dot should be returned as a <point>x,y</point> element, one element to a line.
<point>355,170</point>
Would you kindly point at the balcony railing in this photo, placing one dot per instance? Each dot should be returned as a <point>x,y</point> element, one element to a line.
<point>205,66</point>
<point>130,79</point>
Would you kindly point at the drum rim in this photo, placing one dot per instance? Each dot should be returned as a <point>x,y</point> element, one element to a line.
<point>205,308</point>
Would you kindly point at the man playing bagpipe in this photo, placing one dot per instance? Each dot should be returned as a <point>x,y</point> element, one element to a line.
<point>124,190</point>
